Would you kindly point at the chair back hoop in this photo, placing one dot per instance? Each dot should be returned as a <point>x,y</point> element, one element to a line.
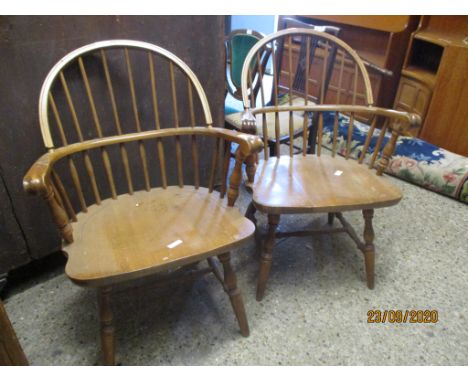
<point>313,33</point>
<point>77,53</point>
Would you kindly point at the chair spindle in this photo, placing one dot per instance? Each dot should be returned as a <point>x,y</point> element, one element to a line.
<point>368,139</point>
<point>180,173</point>
<point>320,133</point>
<point>214,165</point>
<point>57,119</point>
<point>157,123</point>
<point>275,99</point>
<point>118,127</point>
<point>97,124</point>
<point>340,77</point>
<point>355,82</point>
<point>290,79</point>
<point>136,116</point>
<point>63,192</point>
<point>335,132</point>
<point>305,129</point>
<point>226,162</point>
<point>350,135</point>
<point>378,144</point>
<point>77,183</point>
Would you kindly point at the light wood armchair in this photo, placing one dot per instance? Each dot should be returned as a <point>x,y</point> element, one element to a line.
<point>305,183</point>
<point>116,183</point>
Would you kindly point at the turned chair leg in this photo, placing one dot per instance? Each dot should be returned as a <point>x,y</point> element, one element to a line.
<point>265,262</point>
<point>331,217</point>
<point>369,251</point>
<point>250,168</point>
<point>230,283</point>
<point>107,327</point>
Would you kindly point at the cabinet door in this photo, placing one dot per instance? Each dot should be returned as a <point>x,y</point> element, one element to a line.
<point>413,96</point>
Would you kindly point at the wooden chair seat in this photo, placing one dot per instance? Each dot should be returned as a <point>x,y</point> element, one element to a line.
<point>305,184</point>
<point>137,235</point>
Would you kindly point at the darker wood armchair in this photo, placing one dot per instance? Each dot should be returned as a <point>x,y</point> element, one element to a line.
<point>129,182</point>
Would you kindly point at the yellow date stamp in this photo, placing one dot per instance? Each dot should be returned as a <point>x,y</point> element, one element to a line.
<point>378,316</point>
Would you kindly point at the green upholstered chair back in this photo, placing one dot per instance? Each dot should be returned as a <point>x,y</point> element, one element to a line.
<point>238,43</point>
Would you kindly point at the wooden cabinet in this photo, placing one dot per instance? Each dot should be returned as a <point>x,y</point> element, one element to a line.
<point>380,40</point>
<point>434,81</point>
<point>413,96</point>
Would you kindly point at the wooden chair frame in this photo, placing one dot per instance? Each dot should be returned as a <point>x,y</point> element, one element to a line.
<point>314,198</point>
<point>43,179</point>
<point>402,122</point>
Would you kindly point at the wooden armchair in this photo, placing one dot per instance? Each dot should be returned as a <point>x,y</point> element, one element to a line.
<point>116,172</point>
<point>304,183</point>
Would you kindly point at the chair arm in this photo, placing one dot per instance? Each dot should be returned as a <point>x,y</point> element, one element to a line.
<point>36,180</point>
<point>248,143</point>
<point>399,127</point>
<point>408,121</point>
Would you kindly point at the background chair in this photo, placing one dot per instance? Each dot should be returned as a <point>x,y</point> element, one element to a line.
<point>290,75</point>
<point>291,184</point>
<point>237,44</point>
<point>118,163</point>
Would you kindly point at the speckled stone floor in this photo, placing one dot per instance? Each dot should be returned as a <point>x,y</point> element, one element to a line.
<point>314,311</point>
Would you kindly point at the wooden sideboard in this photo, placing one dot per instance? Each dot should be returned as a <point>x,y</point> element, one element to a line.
<point>380,40</point>
<point>434,81</point>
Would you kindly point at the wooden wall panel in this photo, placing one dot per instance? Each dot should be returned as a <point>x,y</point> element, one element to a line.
<point>13,249</point>
<point>381,40</point>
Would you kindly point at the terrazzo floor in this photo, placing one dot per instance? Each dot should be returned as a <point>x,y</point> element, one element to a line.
<point>314,311</point>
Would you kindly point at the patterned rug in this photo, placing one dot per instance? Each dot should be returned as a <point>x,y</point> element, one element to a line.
<point>414,160</point>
